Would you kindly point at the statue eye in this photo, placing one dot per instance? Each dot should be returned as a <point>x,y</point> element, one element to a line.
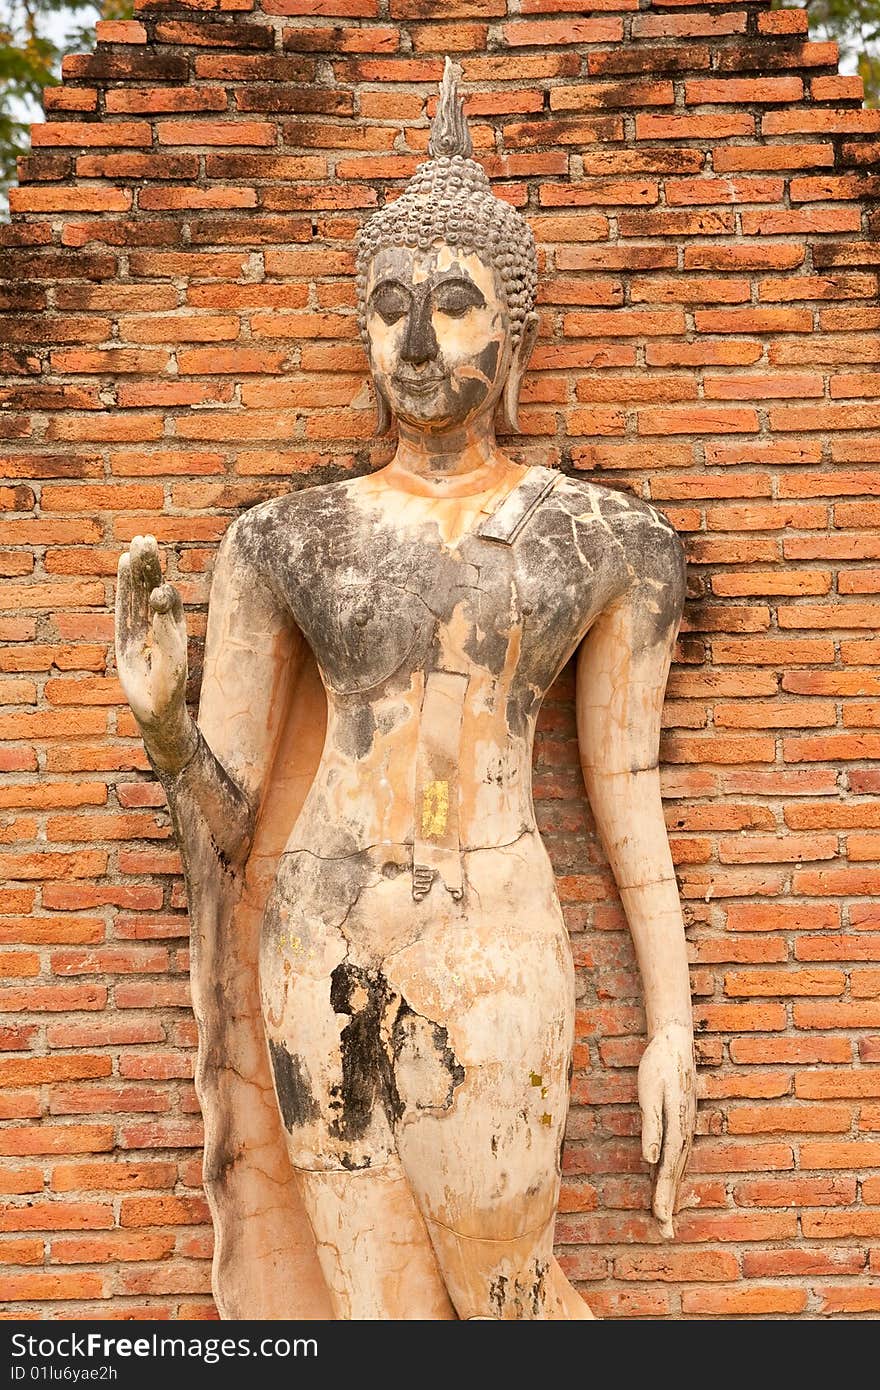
<point>390,302</point>
<point>456,299</point>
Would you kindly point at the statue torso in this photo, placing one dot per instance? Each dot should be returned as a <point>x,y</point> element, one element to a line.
<point>436,645</point>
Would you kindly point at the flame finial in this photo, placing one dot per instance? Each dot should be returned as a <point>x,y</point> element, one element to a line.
<point>449,131</point>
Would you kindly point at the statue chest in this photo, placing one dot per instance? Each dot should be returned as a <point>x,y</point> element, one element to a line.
<point>508,600</point>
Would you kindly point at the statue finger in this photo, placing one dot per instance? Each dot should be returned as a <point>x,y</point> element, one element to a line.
<point>165,599</point>
<point>169,631</point>
<point>124,624</point>
<point>169,626</point>
<point>650,1093</point>
<point>146,574</point>
<point>652,1130</point>
<point>138,593</point>
<point>669,1173</point>
<point>663,1205</point>
<point>152,563</point>
<point>687,1122</point>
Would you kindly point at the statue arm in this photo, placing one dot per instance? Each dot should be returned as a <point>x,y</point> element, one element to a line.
<point>214,768</point>
<point>622,668</point>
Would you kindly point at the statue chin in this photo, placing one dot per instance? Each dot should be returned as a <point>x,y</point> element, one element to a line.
<point>381,969</point>
<point>435,410</point>
<point>423,405</point>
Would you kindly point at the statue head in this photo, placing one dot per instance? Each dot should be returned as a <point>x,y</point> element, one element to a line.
<point>446,280</point>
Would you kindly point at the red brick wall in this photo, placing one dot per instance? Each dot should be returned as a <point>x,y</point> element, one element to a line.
<point>182,344</point>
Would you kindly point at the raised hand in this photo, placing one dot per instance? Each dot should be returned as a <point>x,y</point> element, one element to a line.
<point>151,655</point>
<point>667,1096</point>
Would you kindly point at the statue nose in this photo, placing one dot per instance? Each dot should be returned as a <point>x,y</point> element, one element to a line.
<point>420,342</point>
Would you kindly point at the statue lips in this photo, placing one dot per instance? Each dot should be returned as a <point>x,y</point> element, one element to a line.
<point>418,385</point>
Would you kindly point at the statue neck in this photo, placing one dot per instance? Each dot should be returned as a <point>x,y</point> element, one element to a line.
<point>452,464</point>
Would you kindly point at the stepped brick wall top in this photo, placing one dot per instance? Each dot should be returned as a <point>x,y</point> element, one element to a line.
<point>181,343</point>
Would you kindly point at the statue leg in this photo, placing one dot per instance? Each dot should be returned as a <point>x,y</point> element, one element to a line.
<point>512,1276</point>
<point>373,1249</point>
<point>490,989</point>
<point>324,1016</point>
<point>424,1091</point>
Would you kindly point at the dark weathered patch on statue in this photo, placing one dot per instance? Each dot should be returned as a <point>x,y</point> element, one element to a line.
<point>366,632</point>
<point>420,341</point>
<point>498,1294</point>
<point>471,390</point>
<point>366,1071</point>
<point>669,596</point>
<point>355,735</point>
<point>539,1287</point>
<point>525,1297</point>
<point>295,1100</point>
<point>310,894</point>
<point>372,1046</point>
<point>487,604</point>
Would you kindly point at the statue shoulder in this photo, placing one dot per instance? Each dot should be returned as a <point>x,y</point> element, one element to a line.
<point>647,541</point>
<point>275,533</point>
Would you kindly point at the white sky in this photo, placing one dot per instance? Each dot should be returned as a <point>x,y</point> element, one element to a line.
<point>56,27</point>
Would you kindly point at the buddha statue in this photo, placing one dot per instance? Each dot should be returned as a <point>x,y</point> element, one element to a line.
<point>381,972</point>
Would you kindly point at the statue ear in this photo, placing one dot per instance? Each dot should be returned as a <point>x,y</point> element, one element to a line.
<point>383,415</point>
<point>507,421</point>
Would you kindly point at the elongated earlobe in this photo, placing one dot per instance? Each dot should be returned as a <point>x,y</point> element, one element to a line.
<point>507,417</point>
<point>383,416</point>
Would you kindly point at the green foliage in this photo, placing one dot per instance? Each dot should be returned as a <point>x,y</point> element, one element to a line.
<point>34,37</point>
<point>855,24</point>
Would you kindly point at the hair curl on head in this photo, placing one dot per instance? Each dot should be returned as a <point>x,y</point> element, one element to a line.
<point>449,199</point>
